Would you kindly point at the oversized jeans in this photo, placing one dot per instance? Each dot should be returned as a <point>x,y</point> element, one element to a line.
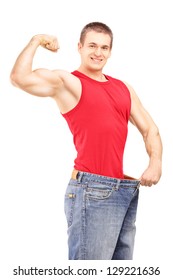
<point>101,214</point>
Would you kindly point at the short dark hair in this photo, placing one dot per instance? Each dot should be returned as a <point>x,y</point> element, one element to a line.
<point>98,27</point>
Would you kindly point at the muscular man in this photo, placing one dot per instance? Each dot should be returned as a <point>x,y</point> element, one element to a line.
<point>100,201</point>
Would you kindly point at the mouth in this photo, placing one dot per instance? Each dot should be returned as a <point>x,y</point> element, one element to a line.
<point>96,60</point>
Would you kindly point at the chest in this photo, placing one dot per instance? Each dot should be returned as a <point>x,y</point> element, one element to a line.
<point>106,101</point>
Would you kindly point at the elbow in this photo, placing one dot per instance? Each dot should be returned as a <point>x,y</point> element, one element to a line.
<point>15,79</point>
<point>152,132</point>
<point>155,131</point>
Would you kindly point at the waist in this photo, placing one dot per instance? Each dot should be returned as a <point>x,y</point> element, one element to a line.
<point>85,177</point>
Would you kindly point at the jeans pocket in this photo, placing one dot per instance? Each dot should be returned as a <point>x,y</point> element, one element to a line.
<point>98,192</point>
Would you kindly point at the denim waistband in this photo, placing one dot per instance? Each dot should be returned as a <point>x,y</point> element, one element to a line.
<point>85,177</point>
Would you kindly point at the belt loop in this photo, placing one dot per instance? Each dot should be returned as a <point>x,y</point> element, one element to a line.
<point>79,176</point>
<point>138,185</point>
<point>117,185</point>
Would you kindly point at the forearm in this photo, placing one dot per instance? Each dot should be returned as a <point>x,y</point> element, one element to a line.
<point>153,145</point>
<point>23,64</point>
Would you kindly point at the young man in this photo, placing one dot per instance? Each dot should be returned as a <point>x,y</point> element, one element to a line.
<point>100,201</point>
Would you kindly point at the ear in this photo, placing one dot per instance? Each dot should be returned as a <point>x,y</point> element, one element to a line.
<point>79,46</point>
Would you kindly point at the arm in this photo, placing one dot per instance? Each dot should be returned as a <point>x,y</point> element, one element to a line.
<point>40,82</point>
<point>144,123</point>
<point>64,87</point>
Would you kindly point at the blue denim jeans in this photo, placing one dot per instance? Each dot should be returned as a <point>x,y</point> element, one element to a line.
<point>101,214</point>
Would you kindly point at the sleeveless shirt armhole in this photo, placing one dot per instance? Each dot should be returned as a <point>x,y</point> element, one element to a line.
<point>77,105</point>
<point>127,89</point>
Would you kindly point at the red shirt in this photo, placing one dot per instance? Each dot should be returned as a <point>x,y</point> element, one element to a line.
<point>99,124</point>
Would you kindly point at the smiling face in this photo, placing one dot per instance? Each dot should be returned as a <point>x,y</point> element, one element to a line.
<point>95,51</point>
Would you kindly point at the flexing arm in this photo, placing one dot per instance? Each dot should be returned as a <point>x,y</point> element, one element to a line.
<point>143,121</point>
<point>64,87</point>
<point>40,82</point>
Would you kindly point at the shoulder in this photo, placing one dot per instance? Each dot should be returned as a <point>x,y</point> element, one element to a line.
<point>119,82</point>
<point>65,76</point>
<point>132,92</point>
<point>69,81</point>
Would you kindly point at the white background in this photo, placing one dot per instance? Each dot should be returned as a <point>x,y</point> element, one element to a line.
<point>36,150</point>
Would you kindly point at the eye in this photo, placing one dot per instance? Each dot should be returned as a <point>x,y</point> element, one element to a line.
<point>105,48</point>
<point>92,46</point>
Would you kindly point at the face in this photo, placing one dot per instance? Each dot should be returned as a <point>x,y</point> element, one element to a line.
<point>95,50</point>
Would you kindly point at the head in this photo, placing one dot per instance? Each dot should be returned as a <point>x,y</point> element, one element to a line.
<point>95,46</point>
<point>98,27</point>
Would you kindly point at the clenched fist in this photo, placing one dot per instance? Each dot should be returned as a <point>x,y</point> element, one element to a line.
<point>48,41</point>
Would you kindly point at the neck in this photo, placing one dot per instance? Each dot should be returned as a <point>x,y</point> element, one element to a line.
<point>95,75</point>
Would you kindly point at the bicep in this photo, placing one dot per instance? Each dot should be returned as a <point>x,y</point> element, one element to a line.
<point>139,115</point>
<point>141,118</point>
<point>42,82</point>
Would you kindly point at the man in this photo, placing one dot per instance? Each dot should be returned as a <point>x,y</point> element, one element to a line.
<point>100,201</point>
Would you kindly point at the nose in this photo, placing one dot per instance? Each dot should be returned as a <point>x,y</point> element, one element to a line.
<point>98,51</point>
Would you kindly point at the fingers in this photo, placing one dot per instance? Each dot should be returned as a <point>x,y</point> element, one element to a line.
<point>49,42</point>
<point>144,181</point>
<point>52,45</point>
<point>150,176</point>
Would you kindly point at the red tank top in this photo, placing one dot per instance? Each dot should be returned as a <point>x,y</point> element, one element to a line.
<point>99,124</point>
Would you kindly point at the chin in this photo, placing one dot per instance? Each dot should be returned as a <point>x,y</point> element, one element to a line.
<point>96,68</point>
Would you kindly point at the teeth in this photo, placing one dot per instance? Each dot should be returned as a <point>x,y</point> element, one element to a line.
<point>97,60</point>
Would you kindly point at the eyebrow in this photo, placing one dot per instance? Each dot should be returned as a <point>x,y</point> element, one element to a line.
<point>93,43</point>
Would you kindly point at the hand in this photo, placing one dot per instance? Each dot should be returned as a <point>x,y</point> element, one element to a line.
<point>48,41</point>
<point>151,176</point>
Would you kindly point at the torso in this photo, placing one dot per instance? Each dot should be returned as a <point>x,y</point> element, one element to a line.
<point>98,121</point>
